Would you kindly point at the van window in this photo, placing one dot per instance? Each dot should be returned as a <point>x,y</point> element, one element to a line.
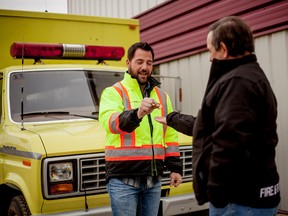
<point>57,95</point>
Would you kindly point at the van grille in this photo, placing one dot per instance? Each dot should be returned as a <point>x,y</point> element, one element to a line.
<point>92,176</point>
<point>186,158</point>
<point>92,171</point>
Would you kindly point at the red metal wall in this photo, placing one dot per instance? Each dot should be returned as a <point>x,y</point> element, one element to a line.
<point>178,28</point>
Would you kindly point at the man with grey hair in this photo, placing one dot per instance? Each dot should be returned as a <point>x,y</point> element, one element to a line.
<point>234,133</point>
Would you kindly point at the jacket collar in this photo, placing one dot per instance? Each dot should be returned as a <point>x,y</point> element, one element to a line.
<point>221,67</point>
<point>133,83</point>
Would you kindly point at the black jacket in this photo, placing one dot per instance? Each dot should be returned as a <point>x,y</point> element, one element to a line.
<point>234,137</point>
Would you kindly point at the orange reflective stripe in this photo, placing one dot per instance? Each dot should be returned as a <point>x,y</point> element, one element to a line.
<point>118,90</point>
<point>172,154</point>
<point>133,153</point>
<point>114,124</point>
<point>172,143</point>
<point>133,158</point>
<point>163,100</point>
<point>172,149</point>
<point>126,139</point>
<point>128,104</point>
<point>124,95</point>
<point>146,146</point>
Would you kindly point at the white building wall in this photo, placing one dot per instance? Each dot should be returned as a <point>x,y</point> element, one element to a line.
<point>271,51</point>
<point>111,8</point>
<point>272,54</point>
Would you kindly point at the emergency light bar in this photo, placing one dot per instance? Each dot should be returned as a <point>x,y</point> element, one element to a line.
<point>65,51</point>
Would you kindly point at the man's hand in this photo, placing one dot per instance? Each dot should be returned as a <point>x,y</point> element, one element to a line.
<point>147,106</point>
<point>161,119</point>
<point>175,179</point>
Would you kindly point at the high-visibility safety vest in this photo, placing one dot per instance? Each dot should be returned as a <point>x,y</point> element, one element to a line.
<point>123,146</point>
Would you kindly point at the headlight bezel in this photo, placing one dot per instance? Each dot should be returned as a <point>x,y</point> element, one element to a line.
<point>62,187</point>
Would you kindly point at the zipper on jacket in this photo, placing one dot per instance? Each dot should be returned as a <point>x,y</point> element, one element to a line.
<point>153,165</point>
<point>154,171</point>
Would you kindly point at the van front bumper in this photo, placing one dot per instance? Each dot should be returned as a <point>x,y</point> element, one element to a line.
<point>180,204</point>
<point>173,205</point>
<point>103,211</point>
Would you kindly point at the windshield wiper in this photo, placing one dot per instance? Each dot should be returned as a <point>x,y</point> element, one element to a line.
<point>58,113</point>
<point>85,116</point>
<point>46,113</point>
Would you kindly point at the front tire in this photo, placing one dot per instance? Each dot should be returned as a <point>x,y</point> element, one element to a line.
<point>18,207</point>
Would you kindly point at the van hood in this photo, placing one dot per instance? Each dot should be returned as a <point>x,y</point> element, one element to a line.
<point>71,138</point>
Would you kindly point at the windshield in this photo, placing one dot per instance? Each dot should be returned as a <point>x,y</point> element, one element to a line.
<point>53,95</point>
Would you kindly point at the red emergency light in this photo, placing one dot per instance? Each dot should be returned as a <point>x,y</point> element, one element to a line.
<point>65,51</point>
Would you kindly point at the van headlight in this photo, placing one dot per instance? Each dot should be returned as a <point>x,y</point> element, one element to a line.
<point>60,178</point>
<point>61,171</point>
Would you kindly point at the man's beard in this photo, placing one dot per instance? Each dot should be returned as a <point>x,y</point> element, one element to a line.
<point>136,76</point>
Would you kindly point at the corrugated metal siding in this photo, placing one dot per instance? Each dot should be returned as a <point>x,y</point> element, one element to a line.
<point>178,28</point>
<point>272,54</point>
<point>111,8</point>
